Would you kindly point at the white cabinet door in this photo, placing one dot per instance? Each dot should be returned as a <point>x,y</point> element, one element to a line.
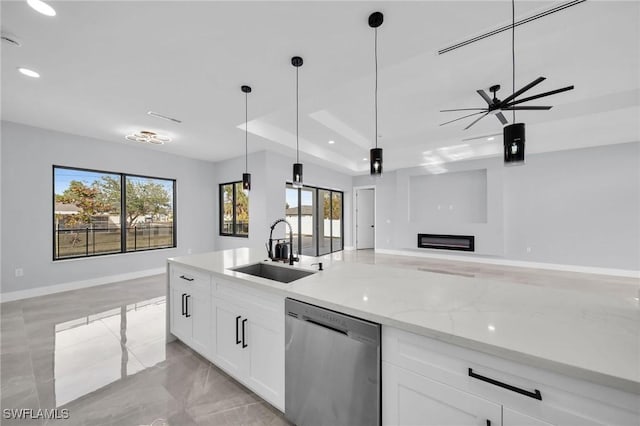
<point>412,399</point>
<point>265,370</point>
<point>180,324</point>
<point>514,418</point>
<point>199,308</point>
<point>228,337</point>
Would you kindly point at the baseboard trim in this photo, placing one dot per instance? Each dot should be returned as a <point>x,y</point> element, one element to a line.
<point>75,285</point>
<point>349,248</point>
<point>518,263</point>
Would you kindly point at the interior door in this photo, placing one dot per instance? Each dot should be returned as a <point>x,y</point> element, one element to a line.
<point>365,218</point>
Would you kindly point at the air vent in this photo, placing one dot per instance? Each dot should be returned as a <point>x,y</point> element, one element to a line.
<point>10,39</point>
<point>164,117</point>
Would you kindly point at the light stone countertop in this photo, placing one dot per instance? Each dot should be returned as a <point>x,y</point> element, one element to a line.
<point>587,335</point>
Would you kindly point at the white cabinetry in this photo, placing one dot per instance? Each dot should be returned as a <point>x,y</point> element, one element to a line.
<point>412,399</point>
<point>249,338</point>
<point>191,308</point>
<point>431,382</point>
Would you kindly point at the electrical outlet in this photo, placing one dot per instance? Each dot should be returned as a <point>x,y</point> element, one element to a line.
<point>19,272</point>
<point>188,251</point>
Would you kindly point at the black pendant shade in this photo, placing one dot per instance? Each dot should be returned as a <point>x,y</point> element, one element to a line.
<point>296,61</point>
<point>246,176</point>
<point>297,175</point>
<point>514,144</point>
<point>375,155</point>
<point>246,181</point>
<point>375,161</point>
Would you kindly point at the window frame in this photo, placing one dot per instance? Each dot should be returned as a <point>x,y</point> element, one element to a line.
<point>123,201</point>
<point>234,185</point>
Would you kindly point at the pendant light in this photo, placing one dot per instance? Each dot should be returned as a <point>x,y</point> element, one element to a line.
<point>246,176</point>
<point>513,136</point>
<point>375,155</point>
<point>296,61</point>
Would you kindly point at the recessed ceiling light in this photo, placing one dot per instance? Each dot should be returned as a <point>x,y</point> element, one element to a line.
<point>29,73</point>
<point>145,136</point>
<point>491,327</point>
<point>491,138</point>
<point>42,7</point>
<point>332,142</point>
<point>365,159</point>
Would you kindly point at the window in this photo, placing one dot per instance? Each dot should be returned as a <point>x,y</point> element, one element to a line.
<point>316,217</point>
<point>92,215</point>
<point>234,210</point>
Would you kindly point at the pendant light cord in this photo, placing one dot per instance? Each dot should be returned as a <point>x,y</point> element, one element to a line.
<point>513,53</point>
<point>246,131</point>
<point>375,44</point>
<point>297,118</point>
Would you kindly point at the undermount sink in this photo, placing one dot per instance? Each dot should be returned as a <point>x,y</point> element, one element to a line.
<point>271,272</point>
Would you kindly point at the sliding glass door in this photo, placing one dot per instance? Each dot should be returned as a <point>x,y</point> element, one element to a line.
<point>315,215</point>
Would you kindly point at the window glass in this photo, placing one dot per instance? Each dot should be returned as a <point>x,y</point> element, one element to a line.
<point>89,219</point>
<point>234,210</point>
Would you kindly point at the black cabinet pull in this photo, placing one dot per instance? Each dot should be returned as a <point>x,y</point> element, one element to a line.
<point>186,278</point>
<point>535,394</point>
<point>237,335</point>
<point>186,306</point>
<point>244,345</point>
<point>183,295</point>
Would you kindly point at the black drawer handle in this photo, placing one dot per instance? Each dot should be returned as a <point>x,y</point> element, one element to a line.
<point>186,306</point>
<point>186,278</point>
<point>237,335</point>
<point>244,345</point>
<point>535,394</point>
<point>183,310</point>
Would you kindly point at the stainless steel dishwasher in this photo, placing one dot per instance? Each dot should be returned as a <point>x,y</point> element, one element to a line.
<point>332,367</point>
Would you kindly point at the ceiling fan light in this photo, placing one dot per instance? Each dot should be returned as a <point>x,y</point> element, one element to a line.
<point>375,161</point>
<point>514,137</point>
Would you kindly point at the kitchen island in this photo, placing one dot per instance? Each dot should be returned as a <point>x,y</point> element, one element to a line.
<point>579,350</point>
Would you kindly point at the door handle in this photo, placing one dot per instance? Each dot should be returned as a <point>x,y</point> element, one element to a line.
<point>237,337</point>
<point>186,306</point>
<point>373,226</point>
<point>244,345</point>
<point>183,295</point>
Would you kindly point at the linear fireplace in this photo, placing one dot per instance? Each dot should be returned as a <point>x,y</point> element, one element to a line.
<point>447,242</point>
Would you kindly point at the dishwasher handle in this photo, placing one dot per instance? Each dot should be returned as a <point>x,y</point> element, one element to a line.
<point>327,326</point>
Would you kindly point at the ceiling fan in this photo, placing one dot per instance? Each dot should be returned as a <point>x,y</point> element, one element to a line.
<point>495,106</point>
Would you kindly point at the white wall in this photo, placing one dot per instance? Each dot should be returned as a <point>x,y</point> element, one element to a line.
<point>269,174</point>
<point>28,154</point>
<point>578,207</point>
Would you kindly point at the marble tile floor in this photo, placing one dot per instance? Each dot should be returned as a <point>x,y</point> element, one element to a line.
<point>100,352</point>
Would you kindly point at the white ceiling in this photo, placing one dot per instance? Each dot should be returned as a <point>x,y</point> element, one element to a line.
<point>104,64</point>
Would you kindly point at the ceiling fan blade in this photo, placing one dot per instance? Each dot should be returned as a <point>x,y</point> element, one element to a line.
<point>523,108</point>
<point>463,109</point>
<point>475,113</point>
<point>521,91</point>
<point>541,95</point>
<point>476,120</point>
<point>486,97</point>
<point>502,118</point>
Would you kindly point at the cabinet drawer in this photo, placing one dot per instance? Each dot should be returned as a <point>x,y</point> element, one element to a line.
<point>451,364</point>
<point>199,281</point>
<point>258,301</point>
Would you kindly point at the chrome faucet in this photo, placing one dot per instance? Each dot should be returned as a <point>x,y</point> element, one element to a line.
<point>292,258</point>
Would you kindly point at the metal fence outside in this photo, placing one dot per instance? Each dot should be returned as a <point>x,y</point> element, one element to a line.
<point>91,241</point>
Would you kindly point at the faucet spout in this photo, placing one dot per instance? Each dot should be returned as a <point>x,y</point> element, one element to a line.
<point>273,225</point>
